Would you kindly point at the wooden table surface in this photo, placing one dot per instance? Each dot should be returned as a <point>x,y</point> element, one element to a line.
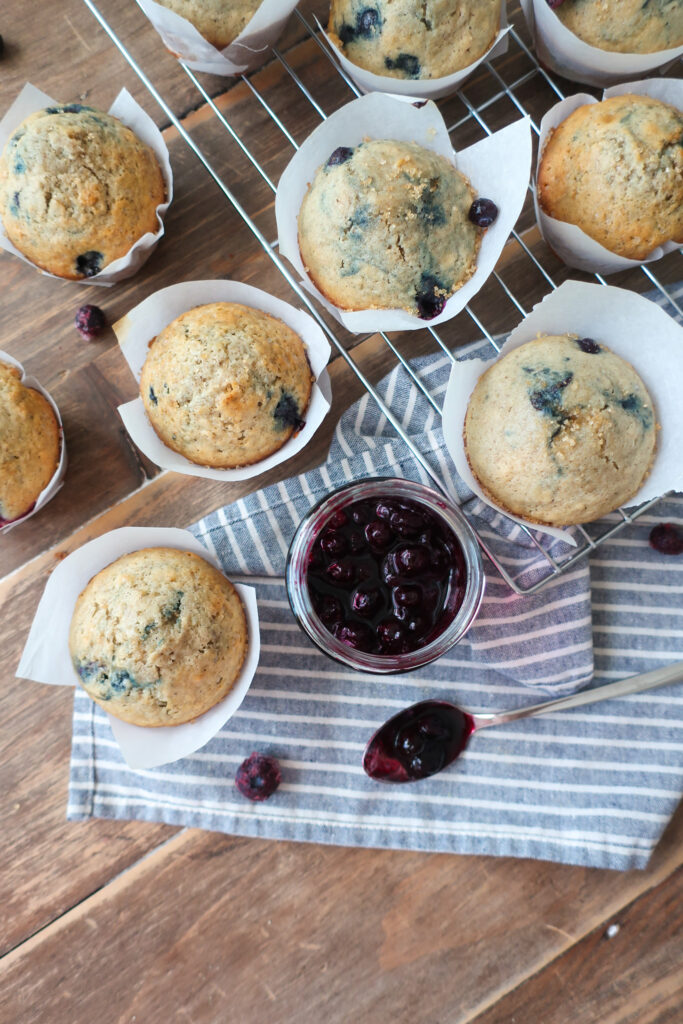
<point>107,921</point>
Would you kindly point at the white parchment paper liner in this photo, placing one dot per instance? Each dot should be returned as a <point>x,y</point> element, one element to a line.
<point>569,242</point>
<point>249,50</point>
<point>563,52</point>
<point>634,327</point>
<point>46,658</point>
<point>135,331</point>
<point>57,478</point>
<point>420,88</point>
<point>131,114</point>
<point>498,168</point>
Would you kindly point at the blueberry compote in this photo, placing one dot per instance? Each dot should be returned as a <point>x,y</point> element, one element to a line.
<point>418,742</point>
<point>386,576</point>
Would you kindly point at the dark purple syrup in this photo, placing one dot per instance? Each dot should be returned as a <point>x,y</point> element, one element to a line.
<point>418,742</point>
<point>667,538</point>
<point>386,576</point>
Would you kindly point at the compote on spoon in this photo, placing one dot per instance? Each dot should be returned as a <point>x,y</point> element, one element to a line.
<point>425,738</point>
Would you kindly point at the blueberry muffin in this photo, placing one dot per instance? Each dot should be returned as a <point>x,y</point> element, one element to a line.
<point>158,637</point>
<point>615,169</point>
<point>386,225</point>
<point>29,445</point>
<point>411,39</point>
<point>226,385</point>
<point>77,189</point>
<point>560,431</point>
<point>625,26</point>
<point>219,21</point>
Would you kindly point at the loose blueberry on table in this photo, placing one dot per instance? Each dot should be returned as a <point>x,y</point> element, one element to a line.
<point>258,777</point>
<point>90,321</point>
<point>418,742</point>
<point>667,538</point>
<point>386,576</point>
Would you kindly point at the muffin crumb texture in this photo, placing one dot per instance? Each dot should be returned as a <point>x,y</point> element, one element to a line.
<point>385,225</point>
<point>77,190</point>
<point>226,385</point>
<point>561,430</point>
<point>414,38</point>
<point>219,21</point>
<point>158,637</point>
<point>29,445</point>
<point>625,26</point>
<point>615,169</point>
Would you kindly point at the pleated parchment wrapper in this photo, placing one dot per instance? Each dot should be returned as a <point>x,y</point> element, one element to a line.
<point>498,168</point>
<point>46,657</point>
<point>136,330</point>
<point>567,55</point>
<point>569,242</point>
<point>633,327</point>
<point>57,478</point>
<point>420,88</point>
<point>29,101</point>
<point>248,51</point>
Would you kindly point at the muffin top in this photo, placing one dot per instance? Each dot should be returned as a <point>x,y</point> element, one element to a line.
<point>158,637</point>
<point>625,26</point>
<point>226,385</point>
<point>219,21</point>
<point>615,169</point>
<point>385,226</point>
<point>29,444</point>
<point>77,189</point>
<point>411,39</point>
<point>560,430</point>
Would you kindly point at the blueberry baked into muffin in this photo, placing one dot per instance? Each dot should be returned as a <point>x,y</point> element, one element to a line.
<point>226,385</point>
<point>29,445</point>
<point>624,26</point>
<point>77,189</point>
<point>158,637</point>
<point>389,225</point>
<point>561,430</point>
<point>615,169</point>
<point>219,21</point>
<point>414,38</point>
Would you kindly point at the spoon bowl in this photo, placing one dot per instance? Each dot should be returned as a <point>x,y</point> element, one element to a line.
<point>425,738</point>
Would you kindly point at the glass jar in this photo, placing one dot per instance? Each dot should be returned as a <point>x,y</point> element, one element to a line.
<point>378,488</point>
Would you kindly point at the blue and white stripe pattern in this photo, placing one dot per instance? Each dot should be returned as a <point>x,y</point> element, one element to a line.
<point>594,786</point>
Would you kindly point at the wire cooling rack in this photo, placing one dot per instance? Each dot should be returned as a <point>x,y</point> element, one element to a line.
<point>485,102</point>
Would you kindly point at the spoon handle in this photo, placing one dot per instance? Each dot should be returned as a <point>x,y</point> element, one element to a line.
<point>632,684</point>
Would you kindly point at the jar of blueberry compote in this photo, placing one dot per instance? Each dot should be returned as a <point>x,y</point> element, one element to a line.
<point>385,575</point>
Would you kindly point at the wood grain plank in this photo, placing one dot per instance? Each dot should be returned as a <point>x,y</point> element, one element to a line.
<point>215,927</point>
<point>626,973</point>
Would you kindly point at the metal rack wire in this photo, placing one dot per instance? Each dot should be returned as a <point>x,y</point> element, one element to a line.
<point>497,89</point>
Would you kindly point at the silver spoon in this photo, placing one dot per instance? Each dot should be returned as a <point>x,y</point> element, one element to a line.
<point>425,738</point>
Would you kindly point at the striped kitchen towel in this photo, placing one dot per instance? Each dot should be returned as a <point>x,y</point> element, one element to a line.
<point>594,786</point>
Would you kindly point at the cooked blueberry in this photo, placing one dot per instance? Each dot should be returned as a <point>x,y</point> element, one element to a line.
<point>347,33</point>
<point>548,398</point>
<point>330,610</point>
<point>339,156</point>
<point>120,679</point>
<point>52,110</point>
<point>406,522</point>
<point>338,519</point>
<point>286,413</point>
<point>406,62</point>
<point>420,103</point>
<point>333,543</point>
<point>74,108</point>
<point>171,612</point>
<point>368,22</point>
<point>358,636</point>
<point>483,212</point>
<point>588,345</point>
<point>148,630</point>
<point>89,263</point>
<point>340,572</point>
<point>406,596</point>
<point>385,509</point>
<point>429,209</point>
<point>258,777</point>
<point>378,534</point>
<point>90,320</point>
<point>365,601</point>
<point>152,397</point>
<point>429,298</point>
<point>558,3</point>
<point>15,204</point>
<point>19,165</point>
<point>412,560</point>
<point>390,632</point>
